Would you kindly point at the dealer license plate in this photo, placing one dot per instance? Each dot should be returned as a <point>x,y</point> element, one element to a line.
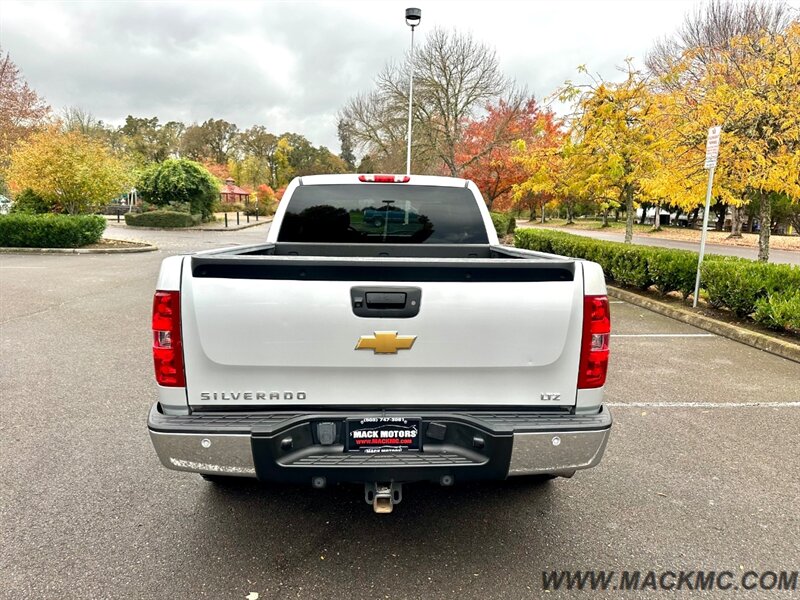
<point>383,434</point>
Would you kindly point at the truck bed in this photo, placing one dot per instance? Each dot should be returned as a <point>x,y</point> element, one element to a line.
<point>378,262</point>
<point>485,251</point>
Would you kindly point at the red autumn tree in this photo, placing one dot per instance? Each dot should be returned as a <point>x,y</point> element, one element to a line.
<point>21,109</point>
<point>265,193</point>
<point>489,145</point>
<point>221,172</point>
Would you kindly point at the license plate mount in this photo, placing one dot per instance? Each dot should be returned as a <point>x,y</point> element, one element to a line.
<point>380,435</point>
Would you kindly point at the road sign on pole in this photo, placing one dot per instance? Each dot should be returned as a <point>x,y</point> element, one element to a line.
<point>712,147</point>
<point>712,152</point>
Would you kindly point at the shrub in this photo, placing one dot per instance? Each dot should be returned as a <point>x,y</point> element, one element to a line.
<point>29,202</point>
<point>263,210</point>
<point>22,230</point>
<point>221,207</point>
<point>179,180</point>
<point>736,284</point>
<point>536,239</point>
<point>673,271</point>
<point>779,311</point>
<point>162,218</point>
<point>629,267</point>
<point>504,224</point>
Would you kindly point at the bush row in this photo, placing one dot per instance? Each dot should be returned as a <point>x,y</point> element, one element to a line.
<point>779,311</point>
<point>770,293</point>
<point>504,224</point>
<point>264,208</point>
<point>221,207</point>
<point>21,230</point>
<point>162,218</point>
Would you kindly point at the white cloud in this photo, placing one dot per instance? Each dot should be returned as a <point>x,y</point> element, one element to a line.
<point>291,65</point>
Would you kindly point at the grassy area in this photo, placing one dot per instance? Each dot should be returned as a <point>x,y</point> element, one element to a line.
<point>588,224</point>
<point>748,240</point>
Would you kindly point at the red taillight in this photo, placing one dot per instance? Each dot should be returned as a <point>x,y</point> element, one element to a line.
<point>167,351</point>
<point>594,345</point>
<point>384,178</point>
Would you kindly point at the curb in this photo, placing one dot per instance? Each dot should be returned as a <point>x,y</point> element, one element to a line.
<point>757,340</point>
<point>148,248</point>
<point>233,228</point>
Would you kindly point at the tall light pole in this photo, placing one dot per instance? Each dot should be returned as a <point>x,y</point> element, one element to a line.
<point>413,17</point>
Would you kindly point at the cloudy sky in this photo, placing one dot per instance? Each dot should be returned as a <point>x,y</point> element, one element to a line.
<point>291,65</point>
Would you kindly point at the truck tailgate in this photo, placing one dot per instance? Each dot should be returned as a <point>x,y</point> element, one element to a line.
<point>261,340</point>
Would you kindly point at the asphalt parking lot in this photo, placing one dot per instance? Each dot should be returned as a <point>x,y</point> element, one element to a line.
<point>696,476</point>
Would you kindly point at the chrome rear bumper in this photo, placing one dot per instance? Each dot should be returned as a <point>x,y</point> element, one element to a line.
<point>222,443</point>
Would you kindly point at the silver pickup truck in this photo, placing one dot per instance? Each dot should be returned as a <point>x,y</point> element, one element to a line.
<point>380,335</point>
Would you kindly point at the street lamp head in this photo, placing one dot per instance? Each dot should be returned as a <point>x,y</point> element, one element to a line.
<point>413,17</point>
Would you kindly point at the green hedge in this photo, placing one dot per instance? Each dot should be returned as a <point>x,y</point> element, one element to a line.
<point>739,284</point>
<point>21,230</point>
<point>29,202</point>
<point>779,311</point>
<point>229,207</point>
<point>263,210</point>
<point>162,218</point>
<point>504,224</point>
<point>768,292</point>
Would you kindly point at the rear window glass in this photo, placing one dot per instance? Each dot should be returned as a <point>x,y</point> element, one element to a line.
<point>373,213</point>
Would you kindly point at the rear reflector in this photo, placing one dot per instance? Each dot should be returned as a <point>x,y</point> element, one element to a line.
<point>594,345</point>
<point>167,350</point>
<point>384,178</point>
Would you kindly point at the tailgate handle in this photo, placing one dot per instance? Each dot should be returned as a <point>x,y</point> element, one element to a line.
<point>385,302</point>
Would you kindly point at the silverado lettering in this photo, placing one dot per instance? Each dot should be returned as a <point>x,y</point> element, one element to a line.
<point>226,396</point>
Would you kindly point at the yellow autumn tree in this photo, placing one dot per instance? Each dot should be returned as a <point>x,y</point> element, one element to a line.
<point>611,126</point>
<point>677,177</point>
<point>70,171</point>
<point>540,157</point>
<point>752,89</point>
<point>755,87</point>
<point>553,174</point>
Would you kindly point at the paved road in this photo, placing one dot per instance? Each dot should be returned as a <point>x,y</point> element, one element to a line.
<point>693,477</point>
<point>777,256</point>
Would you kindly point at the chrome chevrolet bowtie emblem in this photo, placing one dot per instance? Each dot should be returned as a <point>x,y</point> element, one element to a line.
<point>385,342</point>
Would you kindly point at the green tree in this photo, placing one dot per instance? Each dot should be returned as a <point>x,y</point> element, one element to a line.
<point>193,144</point>
<point>215,140</point>
<point>179,181</point>
<point>141,138</point>
<point>259,148</point>
<point>219,137</point>
<point>346,141</point>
